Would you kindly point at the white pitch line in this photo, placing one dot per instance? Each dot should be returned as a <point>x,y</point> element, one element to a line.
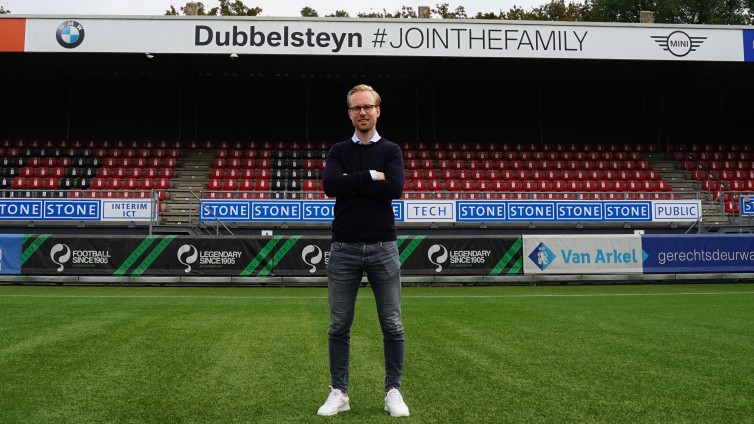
<point>511,296</point>
<point>578,295</point>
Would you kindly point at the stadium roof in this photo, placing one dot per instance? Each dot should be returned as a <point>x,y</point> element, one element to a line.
<point>678,70</point>
<point>416,49</point>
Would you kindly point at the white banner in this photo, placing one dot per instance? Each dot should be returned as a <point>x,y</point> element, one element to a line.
<point>591,254</point>
<point>126,210</point>
<point>373,37</point>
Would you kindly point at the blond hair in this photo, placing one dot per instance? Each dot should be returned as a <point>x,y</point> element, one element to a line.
<point>363,87</point>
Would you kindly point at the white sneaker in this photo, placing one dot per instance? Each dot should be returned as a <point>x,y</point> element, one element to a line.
<point>394,404</point>
<point>336,402</point>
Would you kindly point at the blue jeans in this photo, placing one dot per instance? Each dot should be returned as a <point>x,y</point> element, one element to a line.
<point>381,263</point>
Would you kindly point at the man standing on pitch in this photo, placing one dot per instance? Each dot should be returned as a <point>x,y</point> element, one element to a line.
<point>364,174</point>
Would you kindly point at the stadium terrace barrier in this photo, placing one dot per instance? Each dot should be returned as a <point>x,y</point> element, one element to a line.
<point>280,259</point>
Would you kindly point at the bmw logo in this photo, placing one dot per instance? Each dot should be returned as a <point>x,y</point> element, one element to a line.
<point>70,34</point>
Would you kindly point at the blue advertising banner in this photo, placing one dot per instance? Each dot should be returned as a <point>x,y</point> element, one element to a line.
<point>746,205</point>
<point>319,211</point>
<point>698,253</point>
<point>276,211</point>
<point>67,210</point>
<point>225,211</point>
<point>462,211</point>
<point>20,209</point>
<point>11,246</point>
<point>748,45</point>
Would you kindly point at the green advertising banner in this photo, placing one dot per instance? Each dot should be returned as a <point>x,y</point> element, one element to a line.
<point>254,256</point>
<point>493,256</point>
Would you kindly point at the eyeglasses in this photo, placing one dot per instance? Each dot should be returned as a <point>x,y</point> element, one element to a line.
<point>357,109</point>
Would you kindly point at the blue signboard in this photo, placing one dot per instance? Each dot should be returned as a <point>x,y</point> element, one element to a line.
<point>276,211</point>
<point>319,211</point>
<point>748,45</point>
<point>72,210</point>
<point>530,211</point>
<point>225,210</point>
<point>481,211</point>
<point>746,204</point>
<point>20,210</point>
<point>398,210</point>
<point>11,246</point>
<point>698,253</point>
<point>580,211</point>
<point>628,211</point>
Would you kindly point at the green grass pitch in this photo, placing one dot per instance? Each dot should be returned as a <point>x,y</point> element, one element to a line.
<point>558,354</point>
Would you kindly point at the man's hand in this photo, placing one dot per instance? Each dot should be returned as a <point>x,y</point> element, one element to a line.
<point>380,176</point>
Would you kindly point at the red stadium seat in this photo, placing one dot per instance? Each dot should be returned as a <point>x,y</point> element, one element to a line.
<point>49,183</point>
<point>130,184</point>
<point>452,187</point>
<point>415,185</point>
<point>215,184</point>
<point>311,185</point>
<point>662,185</point>
<point>34,183</point>
<point>114,183</point>
<point>498,185</point>
<point>162,183</point>
<point>447,174</point>
<point>544,185</point>
<point>98,183</point>
<point>246,184</point>
<point>232,173</point>
<point>468,185</point>
<point>414,174</point>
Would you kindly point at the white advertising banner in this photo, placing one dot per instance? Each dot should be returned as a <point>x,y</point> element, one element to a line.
<point>429,211</point>
<point>126,210</point>
<point>590,254</point>
<point>377,37</point>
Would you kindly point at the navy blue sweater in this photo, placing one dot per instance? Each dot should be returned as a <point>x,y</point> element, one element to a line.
<point>363,209</point>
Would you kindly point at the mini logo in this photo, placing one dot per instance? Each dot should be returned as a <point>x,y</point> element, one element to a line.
<point>678,43</point>
<point>542,256</point>
<point>312,255</point>
<point>70,34</point>
<point>60,254</point>
<point>438,255</point>
<point>187,255</point>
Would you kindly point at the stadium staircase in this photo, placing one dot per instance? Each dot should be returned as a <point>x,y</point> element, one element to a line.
<point>686,188</point>
<point>180,210</point>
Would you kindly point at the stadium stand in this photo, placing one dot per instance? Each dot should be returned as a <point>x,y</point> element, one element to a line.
<point>292,170</point>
